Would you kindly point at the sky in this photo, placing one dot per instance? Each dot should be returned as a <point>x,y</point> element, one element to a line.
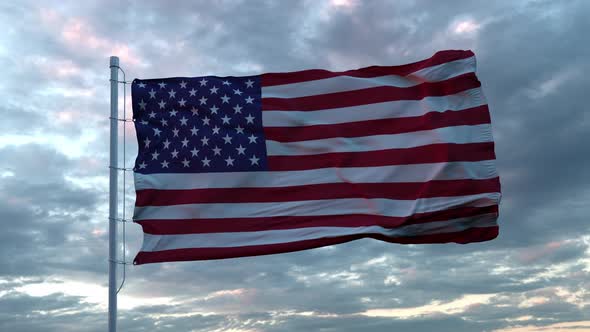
<point>54,146</point>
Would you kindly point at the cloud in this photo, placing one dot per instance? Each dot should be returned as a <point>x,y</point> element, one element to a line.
<point>78,35</point>
<point>532,57</point>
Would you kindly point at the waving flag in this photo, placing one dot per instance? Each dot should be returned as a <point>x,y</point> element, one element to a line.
<point>280,162</point>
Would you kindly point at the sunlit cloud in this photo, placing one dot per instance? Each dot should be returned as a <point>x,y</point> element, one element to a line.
<point>533,301</point>
<point>54,68</point>
<point>349,278</point>
<point>62,143</point>
<point>226,293</point>
<point>529,255</point>
<point>89,292</point>
<point>68,92</point>
<point>79,35</point>
<point>344,4</point>
<point>434,308</point>
<point>581,326</point>
<point>465,27</point>
<point>553,83</point>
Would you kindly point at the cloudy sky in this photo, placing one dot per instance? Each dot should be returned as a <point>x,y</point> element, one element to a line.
<point>532,61</point>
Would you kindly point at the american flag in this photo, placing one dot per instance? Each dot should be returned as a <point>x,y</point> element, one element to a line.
<point>254,165</point>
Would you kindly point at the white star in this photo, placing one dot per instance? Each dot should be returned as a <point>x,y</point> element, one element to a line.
<point>225,119</point>
<point>225,99</point>
<point>182,102</point>
<point>238,109</point>
<point>142,104</point>
<point>141,85</point>
<point>249,100</point>
<point>205,140</point>
<point>184,143</point>
<point>175,132</point>
<point>241,149</point>
<point>203,82</point>
<point>216,130</point>
<point>203,100</point>
<point>195,111</point>
<point>146,142</point>
<point>252,138</point>
<point>192,92</point>
<point>249,119</point>
<point>157,132</point>
<point>239,130</point>
<point>183,85</point>
<point>185,162</point>
<point>172,93</point>
<point>173,112</point>
<point>164,164</point>
<point>229,161</point>
<point>216,151</point>
<point>206,121</point>
<point>226,82</point>
<point>183,121</point>
<point>214,109</point>
<point>194,131</point>
<point>254,160</point>
<point>162,85</point>
<point>166,144</point>
<point>142,165</point>
<point>152,114</point>
<point>206,162</point>
<point>152,93</point>
<point>162,103</point>
<point>174,154</point>
<point>155,155</point>
<point>237,92</point>
<point>195,152</point>
<point>249,83</point>
<point>213,90</point>
<point>227,139</point>
<point>143,122</point>
<point>164,122</point>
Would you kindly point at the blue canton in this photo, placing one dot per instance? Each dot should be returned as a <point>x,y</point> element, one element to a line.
<point>199,124</point>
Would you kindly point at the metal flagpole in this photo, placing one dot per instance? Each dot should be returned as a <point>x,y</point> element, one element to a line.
<point>113,174</point>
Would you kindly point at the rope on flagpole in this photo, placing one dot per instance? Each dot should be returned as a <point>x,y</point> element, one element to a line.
<point>124,178</point>
<point>126,169</point>
<point>122,120</point>
<point>122,82</point>
<point>121,219</point>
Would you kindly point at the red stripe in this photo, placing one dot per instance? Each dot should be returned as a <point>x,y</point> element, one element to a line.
<point>372,95</point>
<point>401,190</point>
<point>434,153</point>
<point>198,226</point>
<point>472,116</point>
<point>438,58</point>
<point>470,235</point>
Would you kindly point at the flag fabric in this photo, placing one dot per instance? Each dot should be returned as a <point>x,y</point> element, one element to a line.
<point>279,162</point>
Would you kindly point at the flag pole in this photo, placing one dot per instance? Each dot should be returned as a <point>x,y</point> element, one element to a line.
<point>113,181</point>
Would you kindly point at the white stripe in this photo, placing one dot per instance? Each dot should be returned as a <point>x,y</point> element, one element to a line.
<point>377,206</point>
<point>457,134</point>
<point>347,83</point>
<point>399,173</point>
<point>239,239</point>
<point>387,110</point>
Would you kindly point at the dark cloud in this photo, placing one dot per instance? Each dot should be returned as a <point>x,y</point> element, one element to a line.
<point>49,215</point>
<point>23,313</point>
